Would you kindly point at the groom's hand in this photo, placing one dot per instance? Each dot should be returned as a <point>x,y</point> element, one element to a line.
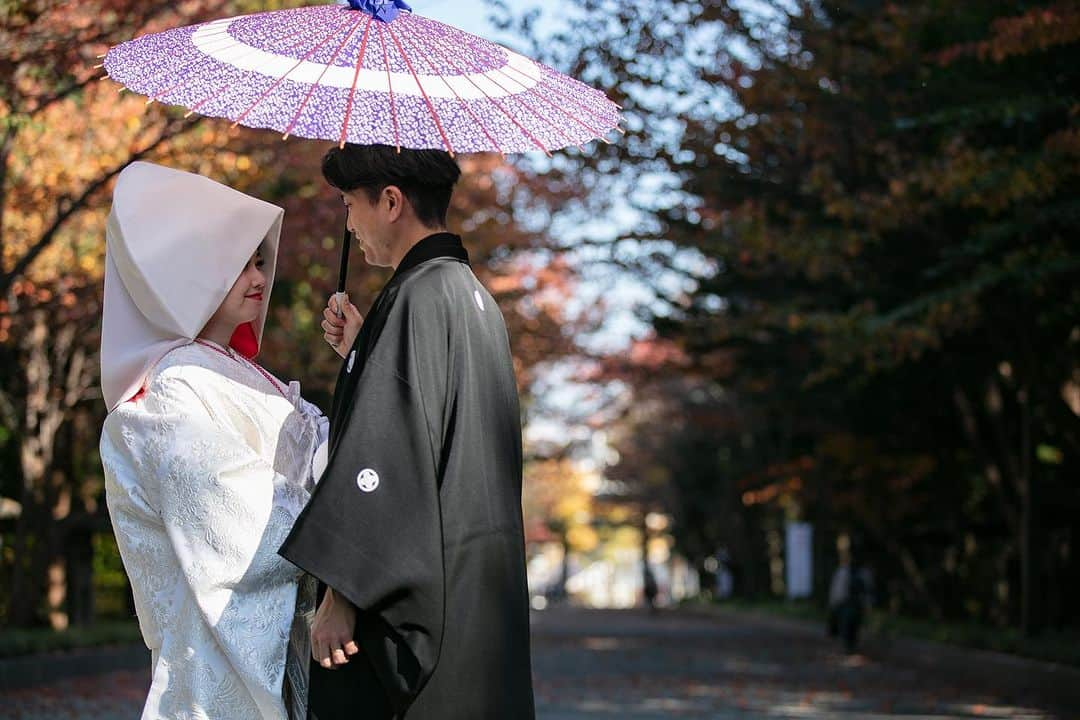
<point>332,631</point>
<point>340,332</point>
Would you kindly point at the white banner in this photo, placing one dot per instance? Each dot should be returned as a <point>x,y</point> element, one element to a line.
<point>799,560</point>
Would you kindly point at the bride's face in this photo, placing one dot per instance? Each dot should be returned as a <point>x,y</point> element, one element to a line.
<point>245,299</point>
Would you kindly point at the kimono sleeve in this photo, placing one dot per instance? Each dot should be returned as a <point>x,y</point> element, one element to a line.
<point>225,511</point>
<point>373,529</point>
<point>322,433</point>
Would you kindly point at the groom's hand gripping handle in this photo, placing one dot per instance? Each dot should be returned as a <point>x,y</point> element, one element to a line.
<point>341,323</point>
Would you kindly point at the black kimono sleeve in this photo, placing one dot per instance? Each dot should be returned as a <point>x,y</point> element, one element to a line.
<point>373,528</point>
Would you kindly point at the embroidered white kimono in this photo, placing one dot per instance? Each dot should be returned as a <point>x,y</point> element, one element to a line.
<point>205,473</point>
<point>207,458</point>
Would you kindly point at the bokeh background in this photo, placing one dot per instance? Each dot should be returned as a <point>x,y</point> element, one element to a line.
<point>820,305</point>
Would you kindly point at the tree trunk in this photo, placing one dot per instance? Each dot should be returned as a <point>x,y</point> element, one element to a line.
<point>1030,572</point>
<point>564,573</point>
<point>31,561</point>
<point>56,371</point>
<point>79,571</point>
<point>86,518</point>
<point>5,155</point>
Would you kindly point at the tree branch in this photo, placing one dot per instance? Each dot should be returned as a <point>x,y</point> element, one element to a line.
<point>76,205</point>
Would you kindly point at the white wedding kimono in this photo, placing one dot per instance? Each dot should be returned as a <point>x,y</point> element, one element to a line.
<point>207,457</point>
<point>205,474</point>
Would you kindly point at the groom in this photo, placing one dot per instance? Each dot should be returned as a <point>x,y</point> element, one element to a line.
<point>415,529</point>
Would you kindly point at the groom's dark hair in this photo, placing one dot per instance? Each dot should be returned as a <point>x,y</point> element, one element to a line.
<point>425,177</point>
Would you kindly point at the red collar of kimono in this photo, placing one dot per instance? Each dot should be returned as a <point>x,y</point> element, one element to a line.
<point>245,341</point>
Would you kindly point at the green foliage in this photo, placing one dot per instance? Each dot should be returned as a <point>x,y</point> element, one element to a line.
<point>1059,647</point>
<point>15,642</point>
<point>110,582</point>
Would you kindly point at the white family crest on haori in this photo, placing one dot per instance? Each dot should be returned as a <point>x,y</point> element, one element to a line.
<point>368,480</point>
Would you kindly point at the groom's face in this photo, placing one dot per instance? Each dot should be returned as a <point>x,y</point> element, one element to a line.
<point>367,225</point>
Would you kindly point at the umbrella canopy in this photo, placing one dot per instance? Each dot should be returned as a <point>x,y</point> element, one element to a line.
<point>364,73</point>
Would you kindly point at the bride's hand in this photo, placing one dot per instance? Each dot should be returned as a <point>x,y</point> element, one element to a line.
<point>332,631</point>
<point>340,332</point>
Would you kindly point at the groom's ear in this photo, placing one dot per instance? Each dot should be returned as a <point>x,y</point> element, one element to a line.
<point>395,201</point>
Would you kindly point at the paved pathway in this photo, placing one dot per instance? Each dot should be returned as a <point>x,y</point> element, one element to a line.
<point>593,664</point>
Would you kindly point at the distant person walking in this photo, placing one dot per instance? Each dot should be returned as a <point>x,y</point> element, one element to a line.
<point>850,593</point>
<point>651,589</point>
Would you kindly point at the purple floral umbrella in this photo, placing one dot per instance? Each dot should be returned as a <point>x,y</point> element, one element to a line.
<point>364,73</point>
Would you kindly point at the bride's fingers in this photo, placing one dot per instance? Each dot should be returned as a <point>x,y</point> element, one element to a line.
<point>351,648</point>
<point>339,657</point>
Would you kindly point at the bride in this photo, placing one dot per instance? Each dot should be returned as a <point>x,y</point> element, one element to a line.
<point>208,457</point>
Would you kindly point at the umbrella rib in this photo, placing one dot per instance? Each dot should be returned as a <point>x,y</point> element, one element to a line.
<point>532,91</point>
<point>558,92</point>
<point>543,119</point>
<point>356,75</point>
<point>531,109</point>
<point>497,104</point>
<point>281,79</point>
<point>390,87</point>
<point>464,103</point>
<point>566,96</point>
<point>195,108</point>
<point>431,107</point>
<point>311,90</point>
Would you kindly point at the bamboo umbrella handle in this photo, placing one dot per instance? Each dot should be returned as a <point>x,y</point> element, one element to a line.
<point>343,271</point>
